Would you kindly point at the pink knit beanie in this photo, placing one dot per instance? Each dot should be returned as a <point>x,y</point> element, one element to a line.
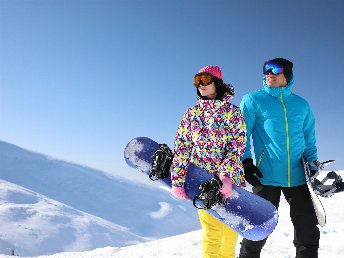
<point>213,70</point>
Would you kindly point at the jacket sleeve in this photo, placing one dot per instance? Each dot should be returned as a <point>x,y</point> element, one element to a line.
<point>310,152</point>
<point>247,109</point>
<point>182,151</point>
<point>231,164</point>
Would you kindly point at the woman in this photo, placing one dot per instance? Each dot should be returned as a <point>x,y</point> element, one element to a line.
<point>211,134</point>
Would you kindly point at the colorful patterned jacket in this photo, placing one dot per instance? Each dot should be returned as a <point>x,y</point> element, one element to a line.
<point>212,135</point>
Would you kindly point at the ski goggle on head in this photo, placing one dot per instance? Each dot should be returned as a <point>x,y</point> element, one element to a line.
<point>203,78</point>
<point>273,67</point>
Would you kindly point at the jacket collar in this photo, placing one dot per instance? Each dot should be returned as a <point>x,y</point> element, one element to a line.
<point>214,103</point>
<point>276,92</point>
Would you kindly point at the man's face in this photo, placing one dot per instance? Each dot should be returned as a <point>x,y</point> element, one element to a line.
<point>275,81</point>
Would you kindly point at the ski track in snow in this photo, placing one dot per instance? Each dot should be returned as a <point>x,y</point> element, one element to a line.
<point>164,210</point>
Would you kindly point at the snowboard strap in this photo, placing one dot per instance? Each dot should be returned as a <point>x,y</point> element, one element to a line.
<point>328,190</point>
<point>209,194</point>
<point>319,187</point>
<point>162,161</point>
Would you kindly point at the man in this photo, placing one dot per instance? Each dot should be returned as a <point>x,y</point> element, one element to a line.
<point>283,130</point>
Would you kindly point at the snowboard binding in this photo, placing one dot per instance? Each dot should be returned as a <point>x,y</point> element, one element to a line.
<point>209,194</point>
<point>328,190</point>
<point>162,161</point>
<point>319,187</point>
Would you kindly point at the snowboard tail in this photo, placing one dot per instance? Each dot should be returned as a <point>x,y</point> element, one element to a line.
<point>251,216</point>
<point>318,207</point>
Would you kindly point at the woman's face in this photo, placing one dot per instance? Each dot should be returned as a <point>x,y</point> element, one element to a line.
<point>208,91</point>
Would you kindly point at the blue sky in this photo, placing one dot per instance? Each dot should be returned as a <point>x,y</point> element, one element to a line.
<point>79,79</point>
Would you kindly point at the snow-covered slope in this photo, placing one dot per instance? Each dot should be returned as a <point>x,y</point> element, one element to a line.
<point>188,245</point>
<point>53,206</point>
<point>33,224</point>
<point>145,212</point>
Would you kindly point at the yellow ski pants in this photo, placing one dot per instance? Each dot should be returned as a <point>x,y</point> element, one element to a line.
<point>218,239</point>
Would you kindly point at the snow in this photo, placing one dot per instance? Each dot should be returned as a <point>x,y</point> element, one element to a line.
<point>232,218</point>
<point>60,206</point>
<point>164,210</point>
<point>48,208</point>
<point>133,147</point>
<point>44,224</point>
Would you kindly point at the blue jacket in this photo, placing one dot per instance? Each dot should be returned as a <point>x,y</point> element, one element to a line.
<point>283,130</point>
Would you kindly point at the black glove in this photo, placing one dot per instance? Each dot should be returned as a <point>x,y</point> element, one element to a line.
<point>315,167</point>
<point>251,172</point>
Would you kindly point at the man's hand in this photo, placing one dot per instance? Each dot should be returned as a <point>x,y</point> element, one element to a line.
<point>315,167</point>
<point>251,172</point>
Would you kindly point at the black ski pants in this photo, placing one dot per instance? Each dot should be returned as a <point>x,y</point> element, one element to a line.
<point>302,214</point>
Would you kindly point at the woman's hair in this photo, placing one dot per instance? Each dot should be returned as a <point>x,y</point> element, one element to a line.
<point>221,89</point>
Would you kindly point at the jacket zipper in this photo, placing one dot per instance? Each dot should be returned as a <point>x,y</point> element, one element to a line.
<point>287,132</point>
<point>260,158</point>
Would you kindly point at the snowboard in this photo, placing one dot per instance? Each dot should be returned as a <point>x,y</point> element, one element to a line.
<point>318,207</point>
<point>251,216</point>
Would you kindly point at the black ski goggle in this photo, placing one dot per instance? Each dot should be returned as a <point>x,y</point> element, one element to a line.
<point>273,67</point>
<point>204,79</point>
